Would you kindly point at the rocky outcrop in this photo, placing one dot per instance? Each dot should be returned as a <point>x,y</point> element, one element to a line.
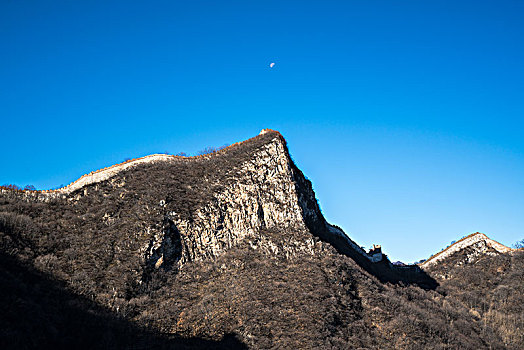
<point>262,194</point>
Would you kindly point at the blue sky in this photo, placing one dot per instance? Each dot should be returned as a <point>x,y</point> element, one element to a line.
<point>406,115</point>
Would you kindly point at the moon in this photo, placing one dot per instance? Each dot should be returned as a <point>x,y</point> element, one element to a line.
<point>272,64</point>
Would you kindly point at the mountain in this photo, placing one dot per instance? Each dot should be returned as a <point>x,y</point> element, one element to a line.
<point>224,250</point>
<point>466,250</point>
<point>486,278</point>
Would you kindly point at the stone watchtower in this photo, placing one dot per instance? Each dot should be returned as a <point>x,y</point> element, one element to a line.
<point>375,253</point>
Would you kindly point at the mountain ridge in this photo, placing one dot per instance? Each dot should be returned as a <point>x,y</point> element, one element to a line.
<point>311,213</point>
<point>232,244</point>
<point>105,173</point>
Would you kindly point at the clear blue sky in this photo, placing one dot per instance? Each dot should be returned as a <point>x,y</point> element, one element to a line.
<point>406,115</point>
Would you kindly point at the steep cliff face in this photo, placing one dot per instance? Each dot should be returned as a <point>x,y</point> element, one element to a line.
<point>260,194</point>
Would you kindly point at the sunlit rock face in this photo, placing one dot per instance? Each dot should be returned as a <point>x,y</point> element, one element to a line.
<point>264,195</point>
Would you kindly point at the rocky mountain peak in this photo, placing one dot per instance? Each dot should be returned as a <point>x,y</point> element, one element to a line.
<point>472,246</point>
<point>194,208</point>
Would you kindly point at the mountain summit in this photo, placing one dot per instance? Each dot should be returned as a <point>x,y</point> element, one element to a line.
<point>223,250</point>
<point>471,247</point>
<point>206,204</point>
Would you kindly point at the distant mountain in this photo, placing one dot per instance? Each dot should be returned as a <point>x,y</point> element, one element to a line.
<point>224,250</point>
<point>466,250</point>
<point>486,277</point>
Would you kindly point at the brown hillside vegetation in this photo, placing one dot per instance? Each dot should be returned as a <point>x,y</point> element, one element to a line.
<point>226,250</point>
<point>490,286</point>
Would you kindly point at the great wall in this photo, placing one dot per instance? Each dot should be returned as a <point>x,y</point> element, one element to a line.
<point>110,171</point>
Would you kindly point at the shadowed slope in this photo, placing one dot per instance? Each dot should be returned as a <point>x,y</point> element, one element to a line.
<point>39,312</point>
